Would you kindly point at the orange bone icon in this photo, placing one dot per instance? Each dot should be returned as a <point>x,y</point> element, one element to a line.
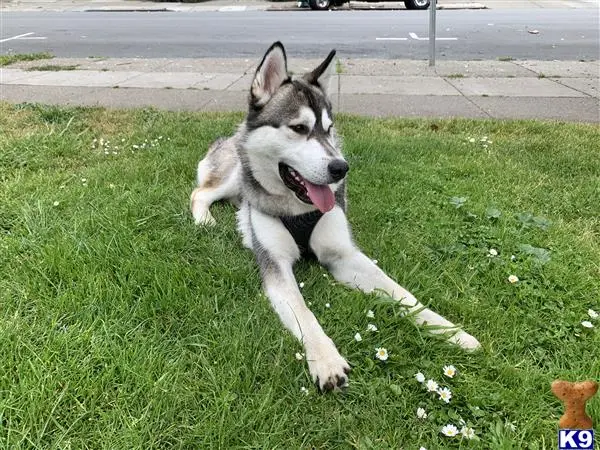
<point>574,396</point>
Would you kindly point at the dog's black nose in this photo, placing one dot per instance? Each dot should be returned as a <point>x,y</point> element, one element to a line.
<point>337,169</point>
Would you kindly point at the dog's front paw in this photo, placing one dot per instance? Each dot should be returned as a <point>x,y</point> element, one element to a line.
<point>465,341</point>
<point>327,368</point>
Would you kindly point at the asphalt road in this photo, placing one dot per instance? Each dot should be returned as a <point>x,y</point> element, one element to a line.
<point>564,34</point>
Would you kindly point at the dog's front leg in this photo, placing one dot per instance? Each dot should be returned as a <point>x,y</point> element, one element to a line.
<point>333,245</point>
<point>276,252</point>
<point>327,367</point>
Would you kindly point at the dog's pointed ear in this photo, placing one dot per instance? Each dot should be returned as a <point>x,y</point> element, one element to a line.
<point>270,75</point>
<point>322,75</point>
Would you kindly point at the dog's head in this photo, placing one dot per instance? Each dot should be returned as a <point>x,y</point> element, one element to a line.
<point>290,139</point>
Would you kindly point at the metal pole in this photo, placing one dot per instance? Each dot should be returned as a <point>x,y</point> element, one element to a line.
<point>432,12</point>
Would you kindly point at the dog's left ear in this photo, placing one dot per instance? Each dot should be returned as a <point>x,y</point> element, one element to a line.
<point>321,76</point>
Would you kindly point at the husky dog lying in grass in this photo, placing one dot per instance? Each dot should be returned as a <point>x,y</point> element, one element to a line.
<point>285,171</point>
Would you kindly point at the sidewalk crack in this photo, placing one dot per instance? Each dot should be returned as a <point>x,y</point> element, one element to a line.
<point>557,81</point>
<point>468,99</point>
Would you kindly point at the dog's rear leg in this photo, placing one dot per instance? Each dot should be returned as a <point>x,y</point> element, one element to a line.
<point>333,246</point>
<point>212,186</point>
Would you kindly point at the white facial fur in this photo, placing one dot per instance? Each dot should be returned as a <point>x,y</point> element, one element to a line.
<point>268,146</point>
<point>325,120</point>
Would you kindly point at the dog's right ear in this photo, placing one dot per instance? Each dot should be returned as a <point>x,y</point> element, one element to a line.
<point>271,73</point>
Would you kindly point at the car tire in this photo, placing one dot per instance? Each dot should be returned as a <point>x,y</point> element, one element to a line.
<point>319,5</point>
<point>416,4</point>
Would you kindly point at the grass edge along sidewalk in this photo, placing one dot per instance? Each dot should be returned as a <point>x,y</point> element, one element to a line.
<point>123,325</point>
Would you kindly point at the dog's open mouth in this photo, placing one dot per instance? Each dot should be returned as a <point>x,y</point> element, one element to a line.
<point>319,195</point>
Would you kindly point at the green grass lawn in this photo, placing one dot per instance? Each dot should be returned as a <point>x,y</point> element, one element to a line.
<point>123,325</point>
<point>7,60</point>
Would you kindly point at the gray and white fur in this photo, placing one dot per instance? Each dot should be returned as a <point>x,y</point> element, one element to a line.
<point>285,170</point>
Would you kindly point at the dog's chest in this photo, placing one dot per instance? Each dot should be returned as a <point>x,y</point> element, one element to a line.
<point>301,228</point>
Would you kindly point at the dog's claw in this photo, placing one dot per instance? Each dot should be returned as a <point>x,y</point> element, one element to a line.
<point>332,383</point>
<point>327,367</point>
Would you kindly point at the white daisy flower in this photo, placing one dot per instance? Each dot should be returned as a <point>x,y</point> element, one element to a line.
<point>422,448</point>
<point>450,371</point>
<point>371,314</point>
<point>381,354</point>
<point>432,386</point>
<point>357,337</point>
<point>449,430</point>
<point>303,390</point>
<point>467,432</point>
<point>511,426</point>
<point>471,140</point>
<point>375,261</point>
<point>420,377</point>
<point>493,252</point>
<point>445,394</point>
<point>112,186</point>
<point>513,279</point>
<point>299,356</point>
<point>84,180</point>
<point>327,305</point>
<point>513,257</point>
<point>587,324</point>
<point>301,284</point>
<point>56,203</point>
<point>371,327</point>
<point>593,314</point>
<point>421,414</point>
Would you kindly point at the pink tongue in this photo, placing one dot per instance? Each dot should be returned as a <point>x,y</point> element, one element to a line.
<point>321,196</point>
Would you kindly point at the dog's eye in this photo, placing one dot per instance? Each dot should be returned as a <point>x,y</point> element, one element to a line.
<point>300,128</point>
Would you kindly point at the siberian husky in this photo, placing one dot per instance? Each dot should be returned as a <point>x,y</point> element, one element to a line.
<point>285,170</point>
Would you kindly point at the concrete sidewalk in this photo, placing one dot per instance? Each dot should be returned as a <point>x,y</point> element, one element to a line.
<point>499,89</point>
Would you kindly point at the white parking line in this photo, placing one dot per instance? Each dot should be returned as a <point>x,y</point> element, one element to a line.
<point>16,37</point>
<point>22,37</point>
<point>234,8</point>
<point>391,39</point>
<point>417,38</point>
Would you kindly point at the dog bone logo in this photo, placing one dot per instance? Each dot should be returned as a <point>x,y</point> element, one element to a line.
<point>574,396</point>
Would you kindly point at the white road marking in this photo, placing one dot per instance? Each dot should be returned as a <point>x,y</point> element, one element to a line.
<point>16,37</point>
<point>23,37</point>
<point>232,8</point>
<point>391,39</point>
<point>417,38</point>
